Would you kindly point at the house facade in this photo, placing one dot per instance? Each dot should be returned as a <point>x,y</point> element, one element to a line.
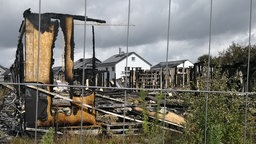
<point>87,64</point>
<point>116,64</point>
<point>178,72</point>
<point>79,65</point>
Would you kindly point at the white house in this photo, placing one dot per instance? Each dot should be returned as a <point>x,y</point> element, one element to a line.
<point>171,64</point>
<point>178,72</point>
<point>116,64</point>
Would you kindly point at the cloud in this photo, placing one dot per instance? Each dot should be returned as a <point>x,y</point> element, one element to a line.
<point>189,26</point>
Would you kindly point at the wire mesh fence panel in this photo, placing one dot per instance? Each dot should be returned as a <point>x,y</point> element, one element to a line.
<point>125,99</point>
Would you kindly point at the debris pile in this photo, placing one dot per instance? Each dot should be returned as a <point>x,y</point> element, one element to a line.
<point>9,125</point>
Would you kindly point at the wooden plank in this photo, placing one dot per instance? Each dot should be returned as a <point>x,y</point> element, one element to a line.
<point>88,106</point>
<point>122,124</point>
<point>104,111</point>
<point>121,130</point>
<point>106,97</point>
<point>8,86</point>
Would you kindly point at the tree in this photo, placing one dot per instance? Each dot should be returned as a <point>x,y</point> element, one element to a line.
<point>234,62</point>
<point>225,114</point>
<point>225,118</point>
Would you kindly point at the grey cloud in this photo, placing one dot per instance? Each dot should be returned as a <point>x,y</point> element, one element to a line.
<point>189,23</point>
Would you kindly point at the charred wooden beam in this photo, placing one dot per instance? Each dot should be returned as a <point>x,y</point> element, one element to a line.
<point>46,19</point>
<point>88,112</point>
<point>67,26</point>
<point>36,66</point>
<point>93,57</point>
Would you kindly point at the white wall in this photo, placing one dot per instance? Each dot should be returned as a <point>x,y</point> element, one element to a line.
<point>120,67</point>
<point>187,64</point>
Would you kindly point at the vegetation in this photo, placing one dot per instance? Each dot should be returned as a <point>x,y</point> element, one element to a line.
<point>226,112</point>
<point>48,137</point>
<point>236,58</point>
<point>75,139</point>
<point>22,140</point>
<point>225,115</point>
<point>152,132</point>
<point>233,63</point>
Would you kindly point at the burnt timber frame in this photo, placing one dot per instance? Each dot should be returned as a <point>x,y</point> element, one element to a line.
<point>25,68</point>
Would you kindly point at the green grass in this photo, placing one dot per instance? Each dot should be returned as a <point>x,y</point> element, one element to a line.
<point>22,140</point>
<point>97,139</point>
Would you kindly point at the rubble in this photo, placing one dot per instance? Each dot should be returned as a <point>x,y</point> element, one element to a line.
<point>170,116</point>
<point>9,126</point>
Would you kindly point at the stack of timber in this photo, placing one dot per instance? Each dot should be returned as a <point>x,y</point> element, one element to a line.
<point>128,128</point>
<point>173,121</point>
<point>146,79</point>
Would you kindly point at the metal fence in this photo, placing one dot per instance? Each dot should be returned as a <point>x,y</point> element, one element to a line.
<point>218,109</point>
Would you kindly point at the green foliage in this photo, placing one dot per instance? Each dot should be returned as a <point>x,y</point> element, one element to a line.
<point>233,62</point>
<point>22,140</point>
<point>48,137</point>
<point>156,123</point>
<point>204,59</point>
<point>235,54</point>
<point>225,114</point>
<point>152,133</point>
<point>145,118</point>
<point>156,133</point>
<point>235,59</point>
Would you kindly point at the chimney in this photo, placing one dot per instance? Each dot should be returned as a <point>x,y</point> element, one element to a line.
<point>120,51</point>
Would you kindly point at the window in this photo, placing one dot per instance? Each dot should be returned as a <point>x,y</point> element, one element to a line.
<point>127,68</point>
<point>106,68</point>
<point>133,58</point>
<point>113,68</point>
<point>138,68</point>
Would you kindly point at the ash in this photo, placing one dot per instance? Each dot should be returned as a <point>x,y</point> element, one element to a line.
<point>9,117</point>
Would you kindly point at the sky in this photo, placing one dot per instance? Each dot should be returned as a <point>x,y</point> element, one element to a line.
<point>189,27</point>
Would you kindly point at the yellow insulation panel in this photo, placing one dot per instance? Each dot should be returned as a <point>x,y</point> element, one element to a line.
<point>31,54</point>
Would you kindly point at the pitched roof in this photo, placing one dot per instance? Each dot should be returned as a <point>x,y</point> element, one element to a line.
<point>56,69</point>
<point>169,64</point>
<point>119,57</point>
<point>79,63</point>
